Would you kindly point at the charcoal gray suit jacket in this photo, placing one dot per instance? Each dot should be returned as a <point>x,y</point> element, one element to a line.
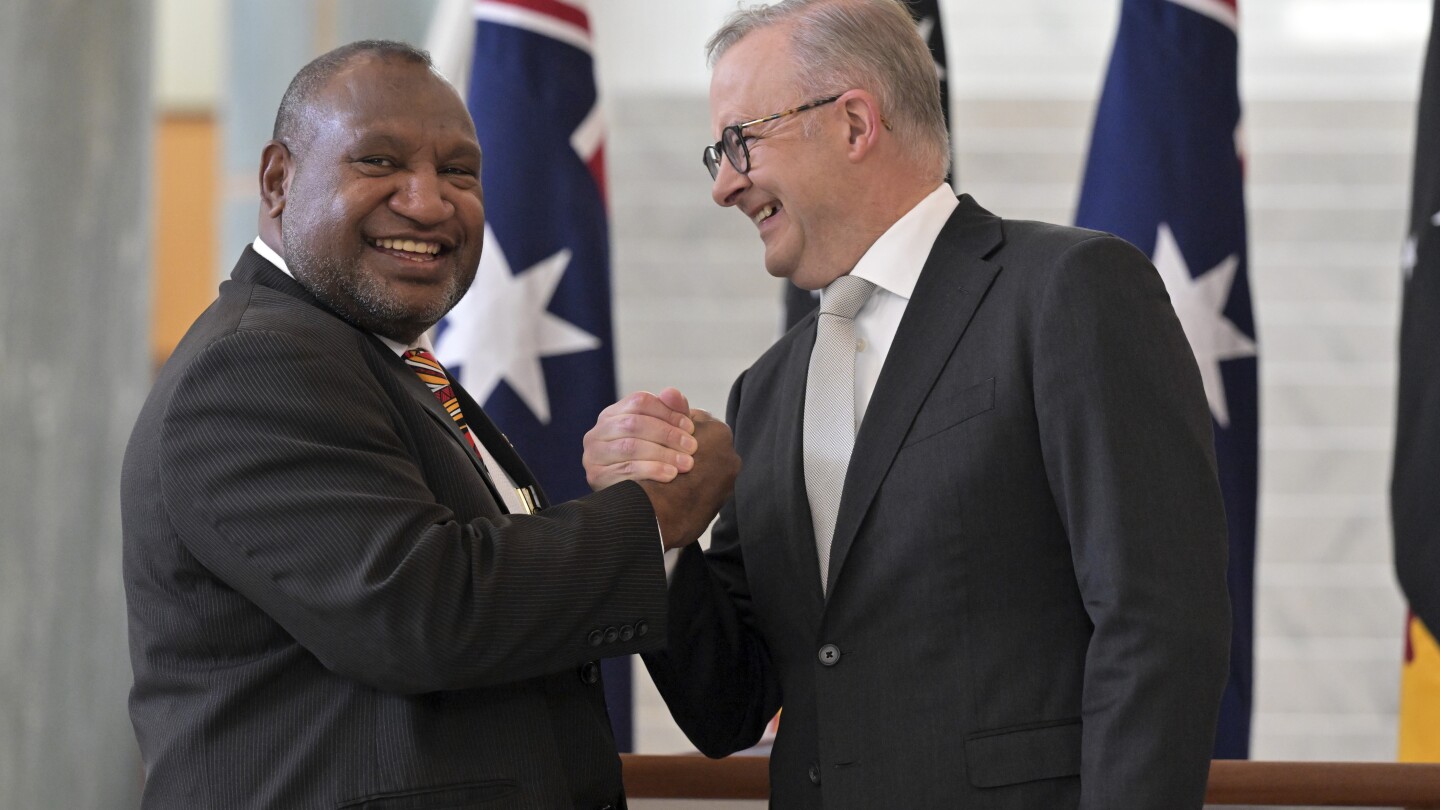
<point>1026,604</point>
<point>327,606</point>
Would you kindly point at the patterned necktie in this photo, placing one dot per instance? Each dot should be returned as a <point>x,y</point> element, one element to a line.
<point>829,434</point>
<point>433,374</point>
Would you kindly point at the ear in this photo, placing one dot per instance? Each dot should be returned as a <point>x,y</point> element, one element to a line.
<point>277,169</point>
<point>864,125</point>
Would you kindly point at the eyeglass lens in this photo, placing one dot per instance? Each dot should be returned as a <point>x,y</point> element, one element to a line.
<point>735,149</point>
<point>732,143</point>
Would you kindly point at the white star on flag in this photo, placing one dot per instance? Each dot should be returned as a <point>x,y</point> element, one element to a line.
<point>501,328</point>
<point>1199,301</point>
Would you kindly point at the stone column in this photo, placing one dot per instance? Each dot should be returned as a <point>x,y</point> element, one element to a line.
<point>74,368</point>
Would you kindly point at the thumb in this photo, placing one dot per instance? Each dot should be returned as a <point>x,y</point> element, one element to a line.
<point>675,400</point>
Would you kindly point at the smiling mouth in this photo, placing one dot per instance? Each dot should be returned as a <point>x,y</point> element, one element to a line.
<point>411,249</point>
<point>765,213</point>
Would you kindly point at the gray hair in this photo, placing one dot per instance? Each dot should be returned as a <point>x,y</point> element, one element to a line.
<point>290,117</point>
<point>871,44</point>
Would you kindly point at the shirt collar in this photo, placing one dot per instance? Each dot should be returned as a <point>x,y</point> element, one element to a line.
<point>893,263</point>
<point>269,254</point>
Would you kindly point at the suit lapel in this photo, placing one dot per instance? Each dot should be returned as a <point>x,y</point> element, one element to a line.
<point>426,399</point>
<point>252,268</point>
<point>951,285</point>
<point>488,434</point>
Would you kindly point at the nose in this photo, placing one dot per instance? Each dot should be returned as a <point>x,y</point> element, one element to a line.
<point>421,198</point>
<point>728,184</point>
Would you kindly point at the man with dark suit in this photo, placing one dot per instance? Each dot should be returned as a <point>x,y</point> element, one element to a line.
<point>977,549</point>
<point>344,587</point>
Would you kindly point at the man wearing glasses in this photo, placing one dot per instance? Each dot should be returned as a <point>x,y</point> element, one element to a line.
<point>977,547</point>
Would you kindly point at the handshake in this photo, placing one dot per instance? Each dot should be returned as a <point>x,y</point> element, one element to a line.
<point>683,458</point>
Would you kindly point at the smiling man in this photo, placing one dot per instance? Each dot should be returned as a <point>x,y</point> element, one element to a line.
<point>344,587</point>
<point>977,549</point>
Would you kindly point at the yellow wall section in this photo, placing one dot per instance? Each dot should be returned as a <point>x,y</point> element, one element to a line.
<point>185,226</point>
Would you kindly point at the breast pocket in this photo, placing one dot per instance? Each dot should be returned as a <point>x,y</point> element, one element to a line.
<point>946,411</point>
<point>451,797</point>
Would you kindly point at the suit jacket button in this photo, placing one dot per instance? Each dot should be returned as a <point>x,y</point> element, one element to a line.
<point>814,774</point>
<point>641,628</point>
<point>590,672</point>
<point>596,638</point>
<point>627,632</point>
<point>612,635</point>
<point>829,655</point>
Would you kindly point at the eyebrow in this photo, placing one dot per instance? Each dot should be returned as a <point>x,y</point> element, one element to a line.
<point>376,140</point>
<point>465,149</point>
<point>469,149</point>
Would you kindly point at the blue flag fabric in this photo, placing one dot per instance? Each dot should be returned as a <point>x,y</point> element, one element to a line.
<point>531,340</point>
<point>1165,173</point>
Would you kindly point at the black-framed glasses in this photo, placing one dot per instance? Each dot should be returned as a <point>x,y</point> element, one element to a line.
<point>734,143</point>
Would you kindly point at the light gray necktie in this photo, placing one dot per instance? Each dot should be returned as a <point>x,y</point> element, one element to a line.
<point>830,408</point>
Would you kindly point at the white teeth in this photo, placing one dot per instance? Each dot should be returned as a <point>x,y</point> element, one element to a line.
<point>409,246</point>
<point>764,214</point>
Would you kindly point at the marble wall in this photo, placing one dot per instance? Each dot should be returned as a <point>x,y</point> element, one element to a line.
<point>74,367</point>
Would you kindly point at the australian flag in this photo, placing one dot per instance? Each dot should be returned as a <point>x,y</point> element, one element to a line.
<point>532,338</point>
<point>1165,173</point>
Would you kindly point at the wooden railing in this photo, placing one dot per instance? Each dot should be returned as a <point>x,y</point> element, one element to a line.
<point>1316,784</point>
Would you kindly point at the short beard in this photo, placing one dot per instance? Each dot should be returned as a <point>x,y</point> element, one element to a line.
<point>362,299</point>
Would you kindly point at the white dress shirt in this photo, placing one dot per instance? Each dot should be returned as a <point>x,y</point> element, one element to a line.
<point>893,265</point>
<point>502,479</point>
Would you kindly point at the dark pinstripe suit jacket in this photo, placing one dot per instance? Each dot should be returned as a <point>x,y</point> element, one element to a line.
<point>1027,605</point>
<point>327,607</point>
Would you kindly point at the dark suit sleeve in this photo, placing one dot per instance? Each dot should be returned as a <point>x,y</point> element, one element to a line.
<point>1127,442</point>
<point>297,489</point>
<point>715,673</point>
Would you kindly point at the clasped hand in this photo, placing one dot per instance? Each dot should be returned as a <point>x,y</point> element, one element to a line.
<point>683,458</point>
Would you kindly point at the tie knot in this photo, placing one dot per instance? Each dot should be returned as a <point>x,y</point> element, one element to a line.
<point>422,355</point>
<point>427,367</point>
<point>845,296</point>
